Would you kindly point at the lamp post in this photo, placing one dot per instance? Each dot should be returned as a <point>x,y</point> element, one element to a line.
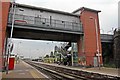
<point>11,33</point>
<point>96,30</point>
<point>13,17</point>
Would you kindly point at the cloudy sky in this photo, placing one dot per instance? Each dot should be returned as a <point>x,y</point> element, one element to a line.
<point>108,19</point>
<point>34,48</point>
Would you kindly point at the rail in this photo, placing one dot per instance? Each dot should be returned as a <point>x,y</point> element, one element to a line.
<point>46,23</point>
<point>75,74</point>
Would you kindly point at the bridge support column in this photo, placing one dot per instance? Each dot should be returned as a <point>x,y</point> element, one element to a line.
<point>4,16</point>
<point>89,46</point>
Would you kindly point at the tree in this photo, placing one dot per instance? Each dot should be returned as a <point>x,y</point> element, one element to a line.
<point>51,54</point>
<point>47,56</point>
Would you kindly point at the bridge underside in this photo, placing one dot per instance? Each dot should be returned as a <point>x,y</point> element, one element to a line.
<point>24,33</point>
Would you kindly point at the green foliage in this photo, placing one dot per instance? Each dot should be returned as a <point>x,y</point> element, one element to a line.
<point>51,54</point>
<point>47,56</point>
<point>109,65</point>
<point>49,60</point>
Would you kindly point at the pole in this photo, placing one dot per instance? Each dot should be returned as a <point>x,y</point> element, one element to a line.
<point>9,41</point>
<point>13,8</point>
<point>72,53</point>
<point>97,43</point>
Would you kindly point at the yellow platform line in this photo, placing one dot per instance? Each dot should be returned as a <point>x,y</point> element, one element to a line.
<point>33,74</point>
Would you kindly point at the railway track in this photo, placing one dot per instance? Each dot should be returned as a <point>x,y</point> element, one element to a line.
<point>53,75</point>
<point>59,73</point>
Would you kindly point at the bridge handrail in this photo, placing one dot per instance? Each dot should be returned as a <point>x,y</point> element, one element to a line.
<point>106,37</point>
<point>49,23</point>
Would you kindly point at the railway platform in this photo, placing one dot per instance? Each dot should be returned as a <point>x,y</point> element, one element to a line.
<point>26,71</point>
<point>23,71</point>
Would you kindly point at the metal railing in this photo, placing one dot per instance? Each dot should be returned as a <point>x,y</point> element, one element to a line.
<point>46,23</point>
<point>106,37</point>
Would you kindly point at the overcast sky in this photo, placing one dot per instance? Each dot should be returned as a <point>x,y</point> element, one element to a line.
<point>34,48</point>
<point>108,19</point>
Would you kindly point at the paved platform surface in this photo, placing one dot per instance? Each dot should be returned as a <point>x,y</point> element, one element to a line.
<point>103,70</point>
<point>24,70</point>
